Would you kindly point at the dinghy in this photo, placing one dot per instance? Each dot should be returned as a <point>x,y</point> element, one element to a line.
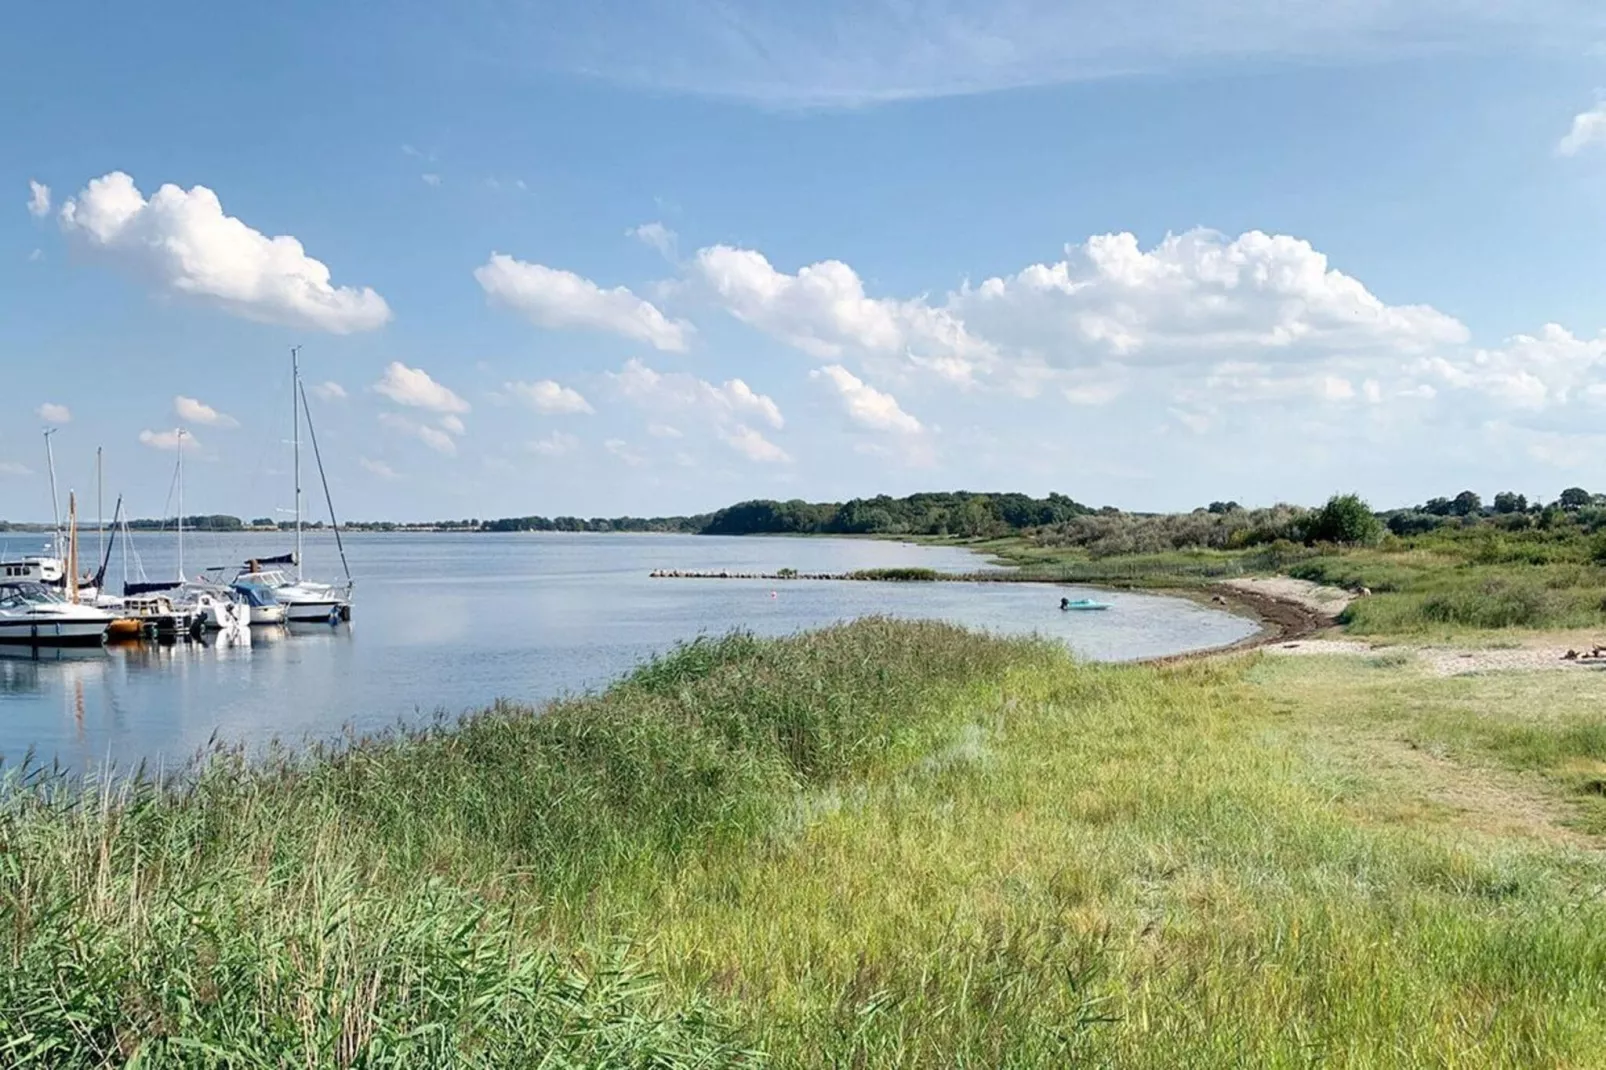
<point>1082,603</point>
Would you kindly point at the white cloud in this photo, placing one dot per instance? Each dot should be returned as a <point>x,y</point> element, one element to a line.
<point>36,256</point>
<point>679,391</point>
<point>621,449</point>
<point>1531,372</point>
<point>430,178</point>
<point>192,411</point>
<point>1194,297</point>
<point>433,437</point>
<point>556,444</point>
<point>549,397</point>
<point>378,468</point>
<point>38,199</point>
<point>656,236</point>
<point>824,309</point>
<point>170,440</point>
<point>752,445</point>
<point>181,241</point>
<point>414,387</point>
<point>1589,128</point>
<point>14,468</point>
<point>553,298</point>
<point>329,390</point>
<point>866,406</point>
<point>657,430</point>
<point>52,413</point>
<point>454,424</point>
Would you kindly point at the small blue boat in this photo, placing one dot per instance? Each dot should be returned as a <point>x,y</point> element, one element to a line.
<point>1082,603</point>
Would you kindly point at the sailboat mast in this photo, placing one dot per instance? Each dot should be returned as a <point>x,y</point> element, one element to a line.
<point>181,505</point>
<point>55,504</point>
<point>295,439</point>
<point>72,547</point>
<point>100,505</point>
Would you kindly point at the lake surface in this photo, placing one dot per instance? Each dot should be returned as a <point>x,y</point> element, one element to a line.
<point>450,622</point>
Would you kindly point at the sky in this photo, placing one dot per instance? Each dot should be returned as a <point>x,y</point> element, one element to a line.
<point>654,258</point>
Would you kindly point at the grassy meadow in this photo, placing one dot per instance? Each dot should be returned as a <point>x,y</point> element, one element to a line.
<point>885,844</point>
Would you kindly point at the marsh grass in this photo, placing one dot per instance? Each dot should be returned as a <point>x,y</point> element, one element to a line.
<point>886,844</point>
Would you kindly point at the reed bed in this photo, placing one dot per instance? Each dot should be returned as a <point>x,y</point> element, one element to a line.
<point>884,844</point>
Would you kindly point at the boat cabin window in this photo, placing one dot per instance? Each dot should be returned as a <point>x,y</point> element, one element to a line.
<point>20,595</point>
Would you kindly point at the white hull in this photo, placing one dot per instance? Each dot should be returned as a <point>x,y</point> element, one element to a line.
<point>263,615</point>
<point>52,631</point>
<point>312,610</point>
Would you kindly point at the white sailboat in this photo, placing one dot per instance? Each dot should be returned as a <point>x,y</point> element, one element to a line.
<point>304,600</point>
<point>48,568</point>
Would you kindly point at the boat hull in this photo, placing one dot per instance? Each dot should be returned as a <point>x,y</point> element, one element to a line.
<point>265,615</point>
<point>53,632</point>
<point>313,611</point>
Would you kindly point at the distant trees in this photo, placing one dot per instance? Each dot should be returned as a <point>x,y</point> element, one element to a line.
<point>1509,502</point>
<point>1345,519</point>
<point>1574,498</point>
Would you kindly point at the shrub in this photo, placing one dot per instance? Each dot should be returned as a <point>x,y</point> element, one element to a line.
<point>1346,520</point>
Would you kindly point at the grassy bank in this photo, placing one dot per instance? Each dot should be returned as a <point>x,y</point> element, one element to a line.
<point>881,845</point>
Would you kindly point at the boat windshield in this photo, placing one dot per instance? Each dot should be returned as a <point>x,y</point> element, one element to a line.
<point>256,594</point>
<point>22,595</point>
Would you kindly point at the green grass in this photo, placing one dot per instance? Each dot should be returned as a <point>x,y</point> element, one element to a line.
<point>886,844</point>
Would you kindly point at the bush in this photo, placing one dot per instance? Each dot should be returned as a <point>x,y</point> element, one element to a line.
<point>1346,520</point>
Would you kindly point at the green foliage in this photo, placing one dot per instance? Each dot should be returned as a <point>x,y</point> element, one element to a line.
<point>1346,520</point>
<point>391,903</point>
<point>916,575</point>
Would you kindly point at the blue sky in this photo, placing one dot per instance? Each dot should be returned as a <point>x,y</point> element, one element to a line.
<point>658,257</point>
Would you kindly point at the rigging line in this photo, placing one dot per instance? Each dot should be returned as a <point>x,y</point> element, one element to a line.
<point>327,497</point>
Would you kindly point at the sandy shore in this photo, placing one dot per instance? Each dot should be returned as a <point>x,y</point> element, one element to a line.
<point>1538,654</point>
<point>1328,601</point>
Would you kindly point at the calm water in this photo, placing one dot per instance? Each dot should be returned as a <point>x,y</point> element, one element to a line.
<point>450,622</point>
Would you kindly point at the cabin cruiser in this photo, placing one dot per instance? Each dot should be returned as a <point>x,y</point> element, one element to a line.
<point>303,600</point>
<point>33,614</point>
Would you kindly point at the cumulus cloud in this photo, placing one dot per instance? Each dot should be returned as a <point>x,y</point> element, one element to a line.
<point>414,387</point>
<point>553,298</point>
<point>556,444</point>
<point>192,411</point>
<point>824,309</point>
<point>549,397</point>
<point>38,199</point>
<point>1531,372</point>
<point>656,236</point>
<point>52,413</point>
<point>658,430</point>
<point>752,445</point>
<point>180,241</point>
<point>452,423</point>
<point>1197,296</point>
<point>378,468</point>
<point>679,391</point>
<point>329,390</point>
<point>430,178</point>
<point>865,405</point>
<point>170,440</point>
<point>436,439</point>
<point>1589,128</point>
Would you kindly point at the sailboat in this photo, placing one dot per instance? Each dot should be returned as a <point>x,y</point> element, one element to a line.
<point>49,568</point>
<point>305,601</point>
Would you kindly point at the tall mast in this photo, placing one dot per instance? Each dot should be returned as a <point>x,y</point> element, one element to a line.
<point>72,547</point>
<point>181,504</point>
<point>100,505</point>
<point>55,505</point>
<point>295,439</point>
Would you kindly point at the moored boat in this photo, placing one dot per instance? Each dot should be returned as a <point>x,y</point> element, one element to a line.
<point>32,614</point>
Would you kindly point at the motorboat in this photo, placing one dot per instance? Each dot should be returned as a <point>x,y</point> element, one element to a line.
<point>33,614</point>
<point>261,604</point>
<point>1082,603</point>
